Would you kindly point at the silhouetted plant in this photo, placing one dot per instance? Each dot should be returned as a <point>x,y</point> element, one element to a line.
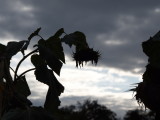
<point>147,91</point>
<point>48,58</point>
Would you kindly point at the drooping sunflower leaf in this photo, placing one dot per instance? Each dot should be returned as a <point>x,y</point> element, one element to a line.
<point>2,57</point>
<point>37,60</point>
<point>35,33</point>
<point>22,87</point>
<point>151,49</point>
<point>25,47</point>
<point>52,100</point>
<point>32,113</point>
<point>41,71</point>
<point>14,47</point>
<point>156,37</point>
<point>59,33</point>
<point>2,104</point>
<point>55,45</point>
<point>152,45</point>
<point>12,99</point>
<point>2,48</point>
<point>58,87</point>
<point>53,62</point>
<point>18,100</point>
<point>44,75</point>
<point>77,38</point>
<point>2,68</point>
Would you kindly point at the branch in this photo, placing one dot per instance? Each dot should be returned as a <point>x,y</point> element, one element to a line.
<point>24,57</point>
<point>40,36</point>
<point>13,70</point>
<point>25,73</point>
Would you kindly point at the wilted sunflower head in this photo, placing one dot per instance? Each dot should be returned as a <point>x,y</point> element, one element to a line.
<point>140,94</point>
<point>86,55</point>
<point>147,95</point>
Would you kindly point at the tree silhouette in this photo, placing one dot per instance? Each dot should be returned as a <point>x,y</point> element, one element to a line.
<point>47,58</point>
<point>88,110</point>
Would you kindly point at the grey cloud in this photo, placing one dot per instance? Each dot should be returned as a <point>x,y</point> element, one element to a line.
<point>131,21</point>
<point>17,18</point>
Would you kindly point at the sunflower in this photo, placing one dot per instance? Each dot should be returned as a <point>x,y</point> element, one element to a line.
<point>86,55</point>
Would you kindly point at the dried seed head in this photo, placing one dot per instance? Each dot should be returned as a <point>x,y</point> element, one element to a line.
<point>146,95</point>
<point>86,55</point>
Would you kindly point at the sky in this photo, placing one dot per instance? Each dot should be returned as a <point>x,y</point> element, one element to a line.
<point>116,28</point>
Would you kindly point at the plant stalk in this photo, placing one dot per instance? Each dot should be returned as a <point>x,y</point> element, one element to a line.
<point>25,73</point>
<point>24,57</point>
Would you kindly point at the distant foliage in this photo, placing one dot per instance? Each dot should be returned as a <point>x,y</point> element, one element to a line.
<point>139,115</point>
<point>48,58</point>
<point>88,110</point>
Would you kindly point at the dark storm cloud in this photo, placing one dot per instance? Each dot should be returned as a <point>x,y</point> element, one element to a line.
<point>116,28</point>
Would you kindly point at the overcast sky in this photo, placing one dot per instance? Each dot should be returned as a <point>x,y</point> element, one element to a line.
<point>115,27</point>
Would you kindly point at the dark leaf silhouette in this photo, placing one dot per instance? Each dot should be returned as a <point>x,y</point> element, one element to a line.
<point>22,87</point>
<point>2,96</point>
<point>59,33</point>
<point>41,74</point>
<point>37,60</point>
<point>2,49</point>
<point>2,58</point>
<point>46,76</point>
<point>53,62</point>
<point>25,47</point>
<point>2,70</point>
<point>55,88</point>
<point>14,47</point>
<point>32,113</point>
<point>18,100</point>
<point>41,71</point>
<point>52,100</point>
<point>58,87</point>
<point>35,33</point>
<point>77,38</point>
<point>12,99</point>
<point>55,46</point>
